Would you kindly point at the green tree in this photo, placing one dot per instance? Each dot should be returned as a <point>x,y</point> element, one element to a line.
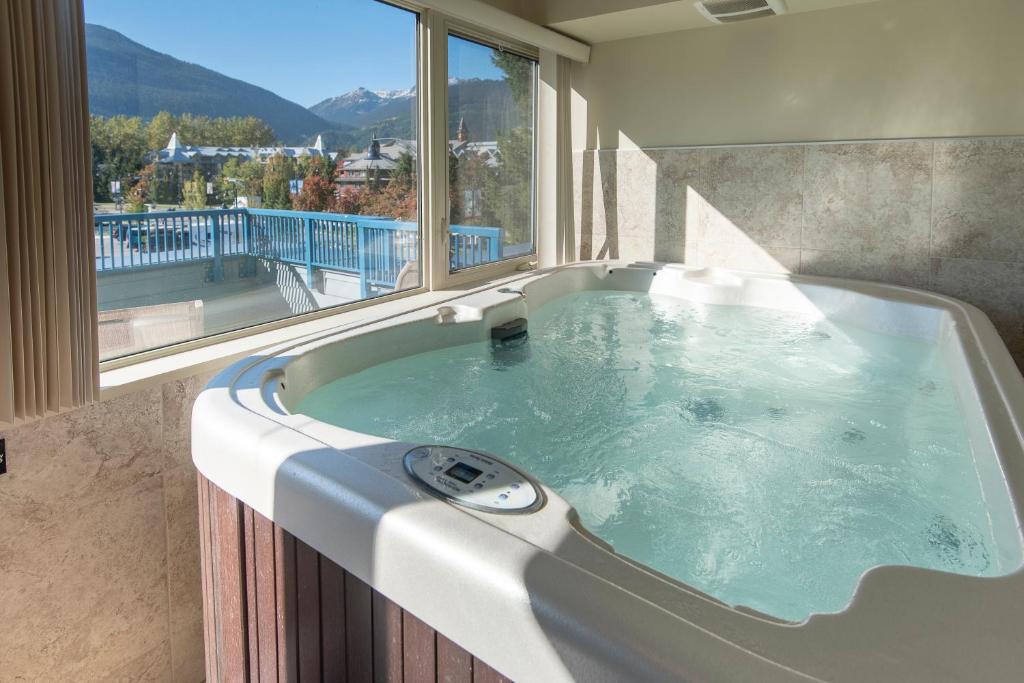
<point>135,198</point>
<point>194,193</point>
<point>118,152</point>
<point>279,171</point>
<point>519,74</point>
<point>404,175</point>
<point>319,166</point>
<point>159,130</point>
<point>508,193</point>
<point>233,131</point>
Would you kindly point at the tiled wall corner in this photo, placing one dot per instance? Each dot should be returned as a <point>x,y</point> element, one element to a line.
<point>98,543</point>
<point>944,215</point>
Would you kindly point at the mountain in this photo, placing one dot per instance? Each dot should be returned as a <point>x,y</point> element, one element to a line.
<point>128,78</point>
<point>486,105</point>
<point>131,79</point>
<point>363,107</point>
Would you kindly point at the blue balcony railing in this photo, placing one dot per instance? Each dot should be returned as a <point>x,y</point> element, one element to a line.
<point>376,249</point>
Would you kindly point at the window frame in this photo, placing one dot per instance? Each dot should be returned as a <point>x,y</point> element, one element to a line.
<point>496,42</point>
<point>432,30</point>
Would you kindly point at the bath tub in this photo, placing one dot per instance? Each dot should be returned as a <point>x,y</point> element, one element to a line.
<point>536,596</point>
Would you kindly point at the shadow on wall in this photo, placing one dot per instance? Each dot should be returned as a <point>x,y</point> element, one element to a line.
<point>942,215</point>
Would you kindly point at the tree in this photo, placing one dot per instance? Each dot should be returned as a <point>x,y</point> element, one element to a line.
<point>118,152</point>
<point>321,166</point>
<point>277,175</point>
<point>350,200</point>
<point>232,131</point>
<point>194,194</point>
<point>508,194</point>
<point>159,130</point>
<point>519,76</point>
<point>135,198</point>
<point>318,194</point>
<point>404,175</point>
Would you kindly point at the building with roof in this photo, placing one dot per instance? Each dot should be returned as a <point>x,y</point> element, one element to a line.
<point>379,159</point>
<point>210,159</point>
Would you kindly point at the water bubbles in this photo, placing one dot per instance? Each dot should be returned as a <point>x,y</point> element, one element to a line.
<point>704,409</point>
<point>957,547</point>
<point>853,435</point>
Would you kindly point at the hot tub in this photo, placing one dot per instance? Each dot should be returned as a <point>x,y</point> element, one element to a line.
<point>779,477</point>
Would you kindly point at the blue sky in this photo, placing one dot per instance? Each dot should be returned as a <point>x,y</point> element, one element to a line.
<point>303,50</point>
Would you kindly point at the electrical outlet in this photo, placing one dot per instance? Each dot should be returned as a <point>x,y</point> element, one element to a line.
<point>3,456</point>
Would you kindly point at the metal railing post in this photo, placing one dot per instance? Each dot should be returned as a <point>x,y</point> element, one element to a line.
<point>494,248</point>
<point>364,282</point>
<point>308,231</point>
<point>246,232</point>
<point>218,255</point>
<point>389,242</point>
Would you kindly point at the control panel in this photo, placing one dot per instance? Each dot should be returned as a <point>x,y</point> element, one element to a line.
<point>472,479</point>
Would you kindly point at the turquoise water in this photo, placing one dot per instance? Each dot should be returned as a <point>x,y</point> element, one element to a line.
<point>763,457</point>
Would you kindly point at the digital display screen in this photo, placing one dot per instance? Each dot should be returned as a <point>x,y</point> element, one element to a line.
<point>463,472</point>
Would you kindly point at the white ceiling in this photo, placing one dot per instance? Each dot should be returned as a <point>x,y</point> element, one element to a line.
<point>596,21</point>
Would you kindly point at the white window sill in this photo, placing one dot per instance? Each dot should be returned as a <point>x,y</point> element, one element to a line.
<point>217,355</point>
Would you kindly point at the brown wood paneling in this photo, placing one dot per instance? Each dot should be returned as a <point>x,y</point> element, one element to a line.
<point>419,650</point>
<point>358,630</point>
<point>454,665</point>
<point>332,620</point>
<point>284,587</point>
<point>387,640</point>
<point>248,536</point>
<point>266,599</point>
<point>307,586</point>
<point>274,609</point>
<point>229,587</point>
<point>482,673</point>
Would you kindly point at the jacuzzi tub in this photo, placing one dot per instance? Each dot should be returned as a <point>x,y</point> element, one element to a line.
<point>538,597</point>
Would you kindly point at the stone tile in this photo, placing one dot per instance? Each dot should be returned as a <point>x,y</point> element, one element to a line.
<point>582,201</point>
<point>910,270</point>
<point>177,398</point>
<point>870,197</point>
<point>979,199</point>
<point>751,194</point>
<point>66,462</point>
<point>634,201</point>
<point>677,174</point>
<point>636,176</point>
<point>748,256</point>
<point>997,288</point>
<point>85,592</point>
<point>184,579</point>
<point>152,667</point>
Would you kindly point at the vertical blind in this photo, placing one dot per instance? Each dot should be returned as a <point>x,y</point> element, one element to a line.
<point>48,354</point>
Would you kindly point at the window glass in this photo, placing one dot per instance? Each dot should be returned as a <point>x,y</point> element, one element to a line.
<point>491,112</point>
<point>251,162</point>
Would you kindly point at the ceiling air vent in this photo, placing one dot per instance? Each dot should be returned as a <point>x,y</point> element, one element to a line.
<point>728,11</point>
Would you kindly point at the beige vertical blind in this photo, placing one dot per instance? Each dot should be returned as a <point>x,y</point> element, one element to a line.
<point>48,356</point>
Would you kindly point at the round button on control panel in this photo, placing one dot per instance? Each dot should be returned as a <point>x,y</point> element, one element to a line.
<point>473,479</point>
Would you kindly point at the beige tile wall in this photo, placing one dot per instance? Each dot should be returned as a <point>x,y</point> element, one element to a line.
<point>945,215</point>
<point>99,550</point>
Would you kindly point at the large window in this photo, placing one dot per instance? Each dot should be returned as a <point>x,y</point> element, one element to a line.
<point>491,120</point>
<point>255,161</point>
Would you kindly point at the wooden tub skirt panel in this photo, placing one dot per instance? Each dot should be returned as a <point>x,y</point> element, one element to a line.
<point>274,609</point>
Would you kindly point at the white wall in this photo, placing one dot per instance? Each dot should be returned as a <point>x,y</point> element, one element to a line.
<point>890,69</point>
